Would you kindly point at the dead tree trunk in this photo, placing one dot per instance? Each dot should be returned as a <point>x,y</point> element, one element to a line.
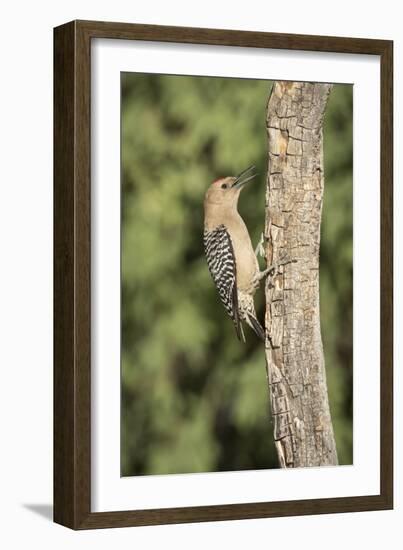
<point>295,364</point>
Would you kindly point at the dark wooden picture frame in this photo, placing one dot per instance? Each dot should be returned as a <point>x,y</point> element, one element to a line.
<point>72,268</point>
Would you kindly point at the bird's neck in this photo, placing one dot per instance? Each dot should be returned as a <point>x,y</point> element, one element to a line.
<point>216,215</point>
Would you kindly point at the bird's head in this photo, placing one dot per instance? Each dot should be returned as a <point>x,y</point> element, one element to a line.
<point>224,192</point>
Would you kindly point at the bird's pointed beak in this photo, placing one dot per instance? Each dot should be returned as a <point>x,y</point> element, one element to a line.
<point>244,177</point>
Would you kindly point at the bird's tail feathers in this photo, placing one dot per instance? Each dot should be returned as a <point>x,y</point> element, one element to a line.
<point>242,335</point>
<point>255,326</point>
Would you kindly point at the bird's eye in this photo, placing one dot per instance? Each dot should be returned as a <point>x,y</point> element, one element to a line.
<point>224,186</point>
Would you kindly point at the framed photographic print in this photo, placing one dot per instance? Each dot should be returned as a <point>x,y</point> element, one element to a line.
<point>222,275</point>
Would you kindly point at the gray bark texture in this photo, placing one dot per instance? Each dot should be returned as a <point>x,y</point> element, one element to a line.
<point>303,430</point>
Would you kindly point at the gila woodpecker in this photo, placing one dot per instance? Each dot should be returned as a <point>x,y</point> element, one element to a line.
<point>230,256</point>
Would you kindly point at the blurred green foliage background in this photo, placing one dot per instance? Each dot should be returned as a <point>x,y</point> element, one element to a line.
<point>193,397</point>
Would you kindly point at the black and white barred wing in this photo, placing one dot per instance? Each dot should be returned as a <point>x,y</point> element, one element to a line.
<point>222,266</point>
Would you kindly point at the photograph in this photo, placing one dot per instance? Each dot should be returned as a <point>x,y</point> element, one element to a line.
<point>198,259</point>
<point>223,298</point>
<point>236,274</point>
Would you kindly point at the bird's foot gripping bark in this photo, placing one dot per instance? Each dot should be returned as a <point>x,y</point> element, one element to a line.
<point>270,271</point>
<point>260,250</point>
